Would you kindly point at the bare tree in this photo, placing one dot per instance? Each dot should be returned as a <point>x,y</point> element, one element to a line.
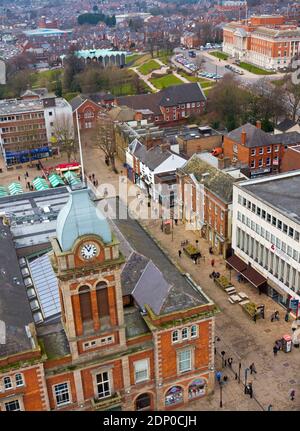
<point>292,93</point>
<point>105,139</point>
<point>65,137</point>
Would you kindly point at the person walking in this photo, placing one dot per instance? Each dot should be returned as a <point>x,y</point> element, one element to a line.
<point>179,253</point>
<point>254,317</point>
<point>212,262</point>
<point>218,376</point>
<point>252,368</point>
<point>292,394</point>
<point>275,350</point>
<point>19,178</point>
<point>230,362</point>
<point>287,316</point>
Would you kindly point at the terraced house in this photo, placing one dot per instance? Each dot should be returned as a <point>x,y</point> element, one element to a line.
<point>127,330</point>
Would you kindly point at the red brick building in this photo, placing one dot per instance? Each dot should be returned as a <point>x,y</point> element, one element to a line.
<point>127,339</point>
<point>256,151</point>
<point>169,106</point>
<point>87,112</point>
<point>205,197</point>
<point>291,159</point>
<point>267,41</point>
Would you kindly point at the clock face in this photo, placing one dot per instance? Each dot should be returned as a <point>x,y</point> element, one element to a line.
<point>88,251</point>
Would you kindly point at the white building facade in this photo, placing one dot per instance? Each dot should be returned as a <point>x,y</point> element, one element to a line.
<point>266,233</point>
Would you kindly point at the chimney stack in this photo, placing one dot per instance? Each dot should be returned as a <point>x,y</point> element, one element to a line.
<point>243,137</point>
<point>258,124</point>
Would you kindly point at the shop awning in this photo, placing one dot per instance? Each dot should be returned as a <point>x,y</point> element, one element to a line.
<point>55,180</point>
<point>15,189</point>
<point>236,263</point>
<point>253,276</point>
<point>40,184</point>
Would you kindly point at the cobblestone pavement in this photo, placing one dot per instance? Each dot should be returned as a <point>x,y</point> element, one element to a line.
<point>240,337</point>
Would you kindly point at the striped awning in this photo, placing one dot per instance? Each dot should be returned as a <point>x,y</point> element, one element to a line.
<point>40,184</point>
<point>15,189</point>
<point>72,178</point>
<point>3,191</point>
<point>55,180</point>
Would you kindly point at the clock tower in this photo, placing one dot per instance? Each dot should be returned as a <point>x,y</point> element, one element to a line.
<point>87,260</point>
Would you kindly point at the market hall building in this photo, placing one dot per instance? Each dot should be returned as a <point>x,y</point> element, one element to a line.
<point>120,327</point>
<point>266,234</point>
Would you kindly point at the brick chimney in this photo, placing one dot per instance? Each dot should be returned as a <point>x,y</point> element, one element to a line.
<point>258,124</point>
<point>243,137</point>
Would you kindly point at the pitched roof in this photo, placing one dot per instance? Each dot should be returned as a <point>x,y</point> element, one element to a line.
<point>132,271</point>
<point>174,95</point>
<point>77,101</point>
<point>152,158</point>
<point>255,137</point>
<point>288,138</point>
<point>122,114</point>
<point>285,125</point>
<point>215,180</point>
<point>184,93</point>
<point>142,101</point>
<point>152,288</point>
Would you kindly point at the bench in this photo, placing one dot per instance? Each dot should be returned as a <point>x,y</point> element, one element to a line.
<point>231,301</point>
<point>244,302</point>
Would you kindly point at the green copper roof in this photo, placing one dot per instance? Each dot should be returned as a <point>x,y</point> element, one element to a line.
<point>80,217</point>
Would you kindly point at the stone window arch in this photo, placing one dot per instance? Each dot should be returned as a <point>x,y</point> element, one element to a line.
<point>143,402</point>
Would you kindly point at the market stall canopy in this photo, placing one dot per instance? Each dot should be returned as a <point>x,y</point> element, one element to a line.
<point>55,180</point>
<point>15,189</point>
<point>72,178</point>
<point>40,184</point>
<point>3,191</point>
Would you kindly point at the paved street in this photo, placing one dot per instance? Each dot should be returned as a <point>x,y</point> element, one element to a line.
<point>240,337</point>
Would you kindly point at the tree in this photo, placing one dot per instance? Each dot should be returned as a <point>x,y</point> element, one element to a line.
<point>105,138</point>
<point>65,137</point>
<point>228,103</point>
<point>292,94</point>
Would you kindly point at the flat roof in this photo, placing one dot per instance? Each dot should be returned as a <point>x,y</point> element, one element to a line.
<point>15,312</point>
<point>15,106</point>
<point>30,224</point>
<point>281,192</point>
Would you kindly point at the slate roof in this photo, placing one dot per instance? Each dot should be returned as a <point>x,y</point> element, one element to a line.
<point>174,95</point>
<point>285,125</point>
<point>142,101</point>
<point>132,272</point>
<point>288,138</point>
<point>217,181</point>
<point>152,158</point>
<point>77,101</point>
<point>15,311</point>
<point>151,289</point>
<point>184,93</point>
<point>255,137</point>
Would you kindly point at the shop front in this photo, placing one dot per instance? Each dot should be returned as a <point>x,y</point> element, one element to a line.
<point>174,396</point>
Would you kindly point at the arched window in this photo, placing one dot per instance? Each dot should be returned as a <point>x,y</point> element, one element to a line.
<point>197,388</point>
<point>174,396</point>
<point>102,299</point>
<point>85,304</point>
<point>143,402</point>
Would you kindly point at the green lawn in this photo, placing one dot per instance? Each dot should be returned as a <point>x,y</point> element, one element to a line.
<point>165,81</point>
<point>132,58</point>
<point>254,69</point>
<point>148,67</point>
<point>220,55</point>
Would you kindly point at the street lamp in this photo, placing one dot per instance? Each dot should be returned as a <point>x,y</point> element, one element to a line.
<point>221,400</point>
<point>270,407</point>
<point>246,375</point>
<point>240,366</point>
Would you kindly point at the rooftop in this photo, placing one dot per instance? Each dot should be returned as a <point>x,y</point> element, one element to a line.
<point>282,192</point>
<point>215,180</point>
<point>30,224</point>
<point>15,311</point>
<point>16,106</point>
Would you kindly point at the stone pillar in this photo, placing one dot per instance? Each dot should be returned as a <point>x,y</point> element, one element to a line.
<point>78,386</point>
